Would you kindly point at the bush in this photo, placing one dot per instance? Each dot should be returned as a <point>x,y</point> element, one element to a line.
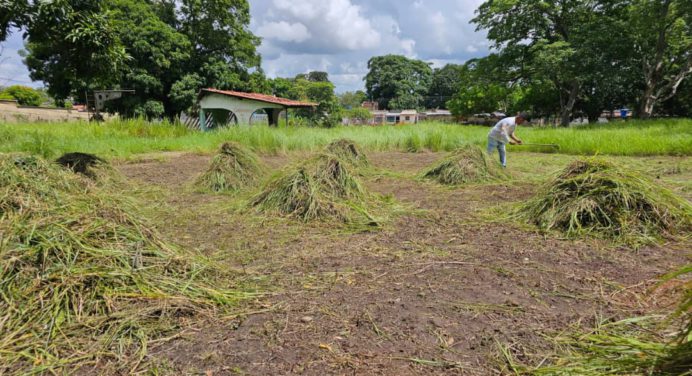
<point>24,95</point>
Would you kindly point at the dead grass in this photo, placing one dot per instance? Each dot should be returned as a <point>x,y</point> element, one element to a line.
<point>83,280</point>
<point>469,164</point>
<point>234,167</point>
<point>599,198</point>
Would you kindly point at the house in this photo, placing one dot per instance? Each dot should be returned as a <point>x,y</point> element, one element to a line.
<point>225,106</point>
<point>443,116</point>
<point>371,106</point>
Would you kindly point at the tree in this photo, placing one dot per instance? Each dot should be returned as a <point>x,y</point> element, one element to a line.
<point>550,36</point>
<point>352,99</point>
<point>24,95</point>
<point>158,54</point>
<point>13,14</point>
<point>314,76</point>
<point>397,82</point>
<point>445,83</point>
<point>484,85</point>
<point>166,50</point>
<point>661,30</point>
<point>72,46</point>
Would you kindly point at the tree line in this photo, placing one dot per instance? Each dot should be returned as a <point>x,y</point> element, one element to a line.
<point>559,58</point>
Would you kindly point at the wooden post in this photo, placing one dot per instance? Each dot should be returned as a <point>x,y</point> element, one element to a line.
<point>286,116</point>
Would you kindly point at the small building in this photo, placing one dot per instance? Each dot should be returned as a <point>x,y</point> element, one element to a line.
<point>387,117</point>
<point>371,106</point>
<point>443,116</point>
<point>227,106</point>
<point>408,117</point>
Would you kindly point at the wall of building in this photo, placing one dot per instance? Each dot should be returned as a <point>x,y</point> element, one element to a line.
<point>11,113</point>
<point>242,108</point>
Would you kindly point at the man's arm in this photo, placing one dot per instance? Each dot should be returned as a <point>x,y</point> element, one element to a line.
<point>515,140</point>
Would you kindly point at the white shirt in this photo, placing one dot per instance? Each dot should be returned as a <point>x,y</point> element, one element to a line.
<point>503,129</point>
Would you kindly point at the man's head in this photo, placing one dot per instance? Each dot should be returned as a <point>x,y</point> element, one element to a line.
<point>522,118</point>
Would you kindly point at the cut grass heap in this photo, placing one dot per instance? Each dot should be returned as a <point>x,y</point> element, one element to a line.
<point>348,151</point>
<point>83,281</point>
<point>322,187</point>
<point>596,197</point>
<point>233,168</point>
<point>469,164</point>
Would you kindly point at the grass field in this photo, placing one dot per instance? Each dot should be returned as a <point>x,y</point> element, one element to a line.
<point>415,278</point>
<point>123,139</point>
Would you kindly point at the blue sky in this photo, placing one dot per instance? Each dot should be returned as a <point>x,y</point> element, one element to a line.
<point>338,36</point>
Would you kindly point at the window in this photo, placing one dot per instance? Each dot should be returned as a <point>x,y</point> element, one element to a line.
<point>408,118</point>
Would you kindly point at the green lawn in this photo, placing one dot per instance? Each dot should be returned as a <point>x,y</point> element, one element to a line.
<point>123,139</point>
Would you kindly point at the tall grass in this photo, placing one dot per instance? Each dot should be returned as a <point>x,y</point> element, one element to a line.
<point>125,138</point>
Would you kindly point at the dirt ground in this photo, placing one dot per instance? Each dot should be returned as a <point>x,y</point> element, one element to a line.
<point>444,285</point>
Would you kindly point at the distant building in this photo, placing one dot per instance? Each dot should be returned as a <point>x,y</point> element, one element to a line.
<point>371,106</point>
<point>387,117</point>
<point>443,116</point>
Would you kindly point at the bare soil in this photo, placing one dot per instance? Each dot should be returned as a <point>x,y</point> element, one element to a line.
<point>437,290</point>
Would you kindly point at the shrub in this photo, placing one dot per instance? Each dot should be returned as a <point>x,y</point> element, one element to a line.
<point>24,95</point>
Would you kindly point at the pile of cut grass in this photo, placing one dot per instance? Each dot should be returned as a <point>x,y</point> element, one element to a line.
<point>321,188</point>
<point>83,280</point>
<point>96,169</point>
<point>348,151</point>
<point>469,164</point>
<point>233,168</point>
<point>597,197</point>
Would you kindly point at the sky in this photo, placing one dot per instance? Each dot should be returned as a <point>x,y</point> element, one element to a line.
<point>338,36</point>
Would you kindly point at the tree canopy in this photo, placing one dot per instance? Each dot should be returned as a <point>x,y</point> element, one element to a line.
<point>397,82</point>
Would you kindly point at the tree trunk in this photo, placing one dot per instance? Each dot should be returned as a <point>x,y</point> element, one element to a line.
<point>653,70</point>
<point>646,108</point>
<point>566,106</point>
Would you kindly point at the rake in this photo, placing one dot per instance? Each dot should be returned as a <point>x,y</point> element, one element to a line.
<point>555,146</point>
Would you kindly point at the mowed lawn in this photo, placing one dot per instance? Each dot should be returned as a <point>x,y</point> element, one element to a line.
<point>125,139</point>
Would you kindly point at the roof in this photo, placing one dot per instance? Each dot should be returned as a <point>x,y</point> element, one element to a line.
<point>438,113</point>
<point>409,112</point>
<point>260,97</point>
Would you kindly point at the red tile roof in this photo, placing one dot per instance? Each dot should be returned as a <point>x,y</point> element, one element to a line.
<point>261,97</point>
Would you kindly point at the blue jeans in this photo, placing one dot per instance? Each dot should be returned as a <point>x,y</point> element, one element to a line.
<point>500,146</point>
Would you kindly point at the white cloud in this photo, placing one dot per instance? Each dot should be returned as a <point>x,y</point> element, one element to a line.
<point>347,33</point>
<point>333,24</point>
<point>284,31</point>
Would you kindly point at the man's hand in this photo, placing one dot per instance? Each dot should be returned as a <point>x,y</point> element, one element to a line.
<point>520,142</point>
<point>512,142</point>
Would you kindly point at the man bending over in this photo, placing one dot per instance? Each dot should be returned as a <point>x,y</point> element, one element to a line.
<point>503,133</point>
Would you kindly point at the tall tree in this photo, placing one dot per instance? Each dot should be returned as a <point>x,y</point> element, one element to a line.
<point>158,53</point>
<point>662,32</point>
<point>445,83</point>
<point>397,82</point>
<point>72,46</point>
<point>352,99</point>
<point>550,34</point>
<point>13,14</point>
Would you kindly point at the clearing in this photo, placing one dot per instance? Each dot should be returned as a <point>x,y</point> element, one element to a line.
<point>445,284</point>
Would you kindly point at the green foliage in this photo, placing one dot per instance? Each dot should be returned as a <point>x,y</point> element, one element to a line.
<point>445,83</point>
<point>352,99</point>
<point>72,46</point>
<point>312,88</point>
<point>397,82</point>
<point>166,53</point>
<point>24,95</point>
<point>359,113</point>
